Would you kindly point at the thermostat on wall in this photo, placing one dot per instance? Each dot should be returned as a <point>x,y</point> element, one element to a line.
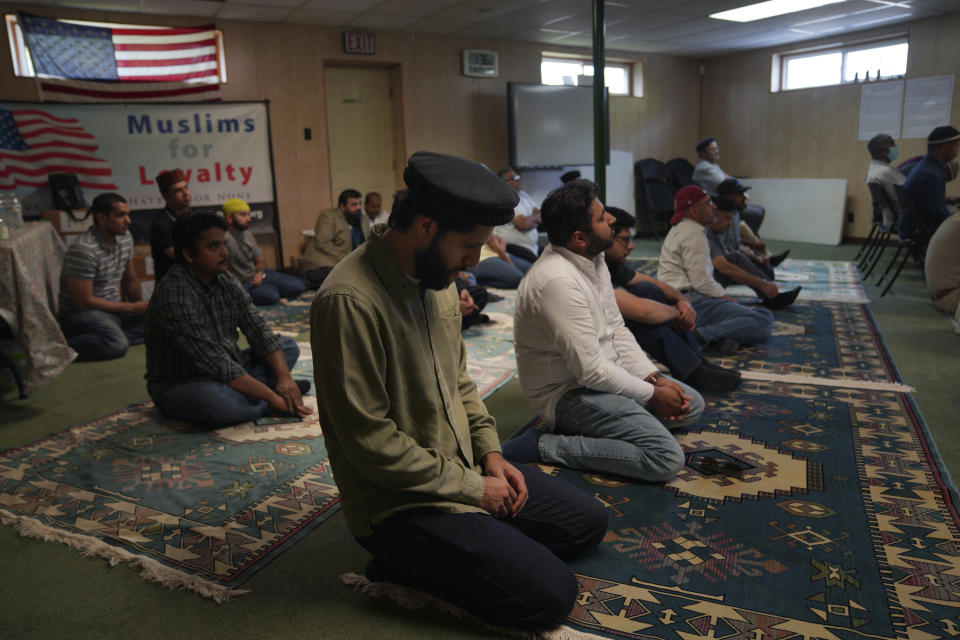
<point>480,63</point>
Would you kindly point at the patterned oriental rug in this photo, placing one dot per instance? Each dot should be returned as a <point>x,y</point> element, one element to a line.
<point>822,280</point>
<point>802,512</point>
<point>192,509</point>
<point>490,359</point>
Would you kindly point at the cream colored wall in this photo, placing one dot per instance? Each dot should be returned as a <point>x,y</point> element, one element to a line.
<point>812,133</point>
<point>441,109</point>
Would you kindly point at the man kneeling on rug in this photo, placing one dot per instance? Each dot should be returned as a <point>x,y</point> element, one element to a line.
<point>415,454</point>
<point>195,370</point>
<point>604,403</point>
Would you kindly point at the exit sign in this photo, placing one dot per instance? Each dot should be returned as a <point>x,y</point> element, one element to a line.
<point>357,42</point>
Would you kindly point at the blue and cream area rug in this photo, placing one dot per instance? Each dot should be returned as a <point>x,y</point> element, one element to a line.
<point>193,509</point>
<point>813,505</point>
<point>490,359</point>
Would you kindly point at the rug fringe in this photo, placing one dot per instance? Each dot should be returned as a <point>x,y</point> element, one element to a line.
<point>150,570</point>
<point>827,382</point>
<point>410,598</point>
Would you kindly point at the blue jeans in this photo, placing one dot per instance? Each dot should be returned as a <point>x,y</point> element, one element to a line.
<point>98,335</point>
<point>505,572</point>
<point>275,285</point>
<point>677,349</point>
<point>494,272</point>
<point>718,318</point>
<point>206,401</point>
<point>610,433</point>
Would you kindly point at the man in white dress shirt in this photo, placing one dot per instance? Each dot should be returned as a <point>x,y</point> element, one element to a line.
<point>604,404</point>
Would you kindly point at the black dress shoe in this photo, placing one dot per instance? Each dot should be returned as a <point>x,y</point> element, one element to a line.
<point>714,366</point>
<point>780,257</point>
<point>303,385</point>
<point>782,299</point>
<point>725,346</point>
<point>704,378</point>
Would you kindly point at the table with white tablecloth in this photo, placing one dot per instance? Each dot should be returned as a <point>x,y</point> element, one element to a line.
<point>30,264</point>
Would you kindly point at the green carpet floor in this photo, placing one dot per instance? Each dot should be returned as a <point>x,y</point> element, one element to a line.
<point>50,591</point>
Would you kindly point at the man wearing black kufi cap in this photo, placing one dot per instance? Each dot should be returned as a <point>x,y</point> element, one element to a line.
<point>926,185</point>
<point>415,454</point>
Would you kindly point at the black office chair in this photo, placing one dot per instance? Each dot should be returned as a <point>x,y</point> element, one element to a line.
<point>654,196</point>
<point>681,173</point>
<point>881,231</point>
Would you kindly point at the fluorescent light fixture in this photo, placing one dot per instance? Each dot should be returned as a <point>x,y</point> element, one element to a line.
<point>763,10</point>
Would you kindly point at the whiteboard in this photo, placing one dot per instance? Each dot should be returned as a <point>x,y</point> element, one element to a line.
<point>538,183</point>
<point>800,209</point>
<point>550,126</point>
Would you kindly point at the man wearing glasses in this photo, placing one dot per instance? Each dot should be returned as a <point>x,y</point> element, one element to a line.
<point>686,265</point>
<point>660,317</point>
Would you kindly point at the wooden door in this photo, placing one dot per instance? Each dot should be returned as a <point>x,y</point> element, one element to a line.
<point>360,125</point>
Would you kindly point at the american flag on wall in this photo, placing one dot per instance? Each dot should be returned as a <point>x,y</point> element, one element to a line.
<point>84,63</point>
<point>34,144</point>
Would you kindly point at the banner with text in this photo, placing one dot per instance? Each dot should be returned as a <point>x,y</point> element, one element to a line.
<point>222,148</point>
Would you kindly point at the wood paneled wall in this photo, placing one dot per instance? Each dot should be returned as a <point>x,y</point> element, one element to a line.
<point>812,133</point>
<point>441,109</point>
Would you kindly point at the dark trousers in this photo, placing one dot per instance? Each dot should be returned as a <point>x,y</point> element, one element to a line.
<point>313,278</point>
<point>677,349</point>
<point>742,260</point>
<point>505,572</point>
<point>753,215</point>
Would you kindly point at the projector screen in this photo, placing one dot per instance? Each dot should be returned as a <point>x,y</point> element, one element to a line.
<point>552,126</point>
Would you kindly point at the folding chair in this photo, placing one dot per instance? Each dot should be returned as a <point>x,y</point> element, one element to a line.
<point>914,246</point>
<point>880,201</point>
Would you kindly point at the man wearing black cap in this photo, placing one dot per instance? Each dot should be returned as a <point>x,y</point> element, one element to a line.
<point>926,185</point>
<point>708,174</point>
<point>415,454</point>
<point>732,197</point>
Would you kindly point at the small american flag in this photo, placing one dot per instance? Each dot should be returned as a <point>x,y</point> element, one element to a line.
<point>34,144</point>
<point>79,62</point>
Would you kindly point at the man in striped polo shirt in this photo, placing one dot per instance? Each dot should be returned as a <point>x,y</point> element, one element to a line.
<point>98,322</point>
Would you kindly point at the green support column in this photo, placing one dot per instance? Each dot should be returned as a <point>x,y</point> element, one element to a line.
<point>599,110</point>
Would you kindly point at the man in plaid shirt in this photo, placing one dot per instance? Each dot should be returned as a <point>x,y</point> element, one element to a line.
<point>195,370</point>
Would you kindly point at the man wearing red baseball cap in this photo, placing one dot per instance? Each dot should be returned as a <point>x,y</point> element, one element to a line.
<point>685,264</point>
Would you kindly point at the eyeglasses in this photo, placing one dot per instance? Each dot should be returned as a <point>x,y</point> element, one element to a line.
<point>624,239</point>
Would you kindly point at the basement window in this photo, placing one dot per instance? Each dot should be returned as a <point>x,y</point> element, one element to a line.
<point>840,64</point>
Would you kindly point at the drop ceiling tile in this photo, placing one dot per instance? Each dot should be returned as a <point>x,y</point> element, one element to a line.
<point>268,3</point>
<point>251,12</point>
<point>321,17</point>
<point>440,27</point>
<point>381,23</point>
<point>488,30</point>
<point>412,8</point>
<point>358,6</point>
<point>180,7</point>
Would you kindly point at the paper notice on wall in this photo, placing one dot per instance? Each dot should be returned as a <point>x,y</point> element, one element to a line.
<point>927,105</point>
<point>881,106</point>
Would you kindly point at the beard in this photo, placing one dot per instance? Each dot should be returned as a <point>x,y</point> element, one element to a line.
<point>597,244</point>
<point>429,268</point>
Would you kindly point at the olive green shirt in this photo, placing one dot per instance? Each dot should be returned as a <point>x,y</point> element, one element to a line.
<point>331,240</point>
<point>403,423</point>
